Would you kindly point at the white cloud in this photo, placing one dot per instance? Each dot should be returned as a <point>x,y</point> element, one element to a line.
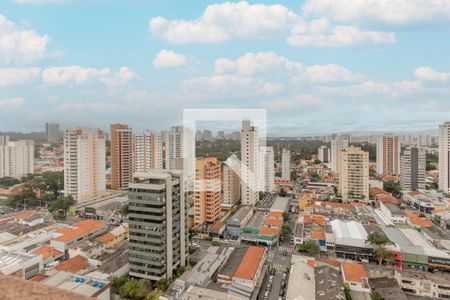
<point>294,102</point>
<point>257,63</point>
<point>84,106</point>
<point>12,102</point>
<point>386,11</point>
<point>14,76</point>
<point>19,46</point>
<point>322,35</point>
<point>221,22</point>
<point>81,75</point>
<point>375,88</point>
<point>428,74</point>
<point>168,59</point>
<point>330,73</point>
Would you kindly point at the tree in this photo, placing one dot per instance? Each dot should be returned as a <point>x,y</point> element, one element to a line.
<point>294,175</point>
<point>180,270</point>
<point>312,248</point>
<point>392,187</point>
<point>317,161</point>
<point>124,210</point>
<point>163,284</point>
<point>282,193</point>
<point>378,239</point>
<point>135,289</point>
<point>285,217</point>
<point>286,230</point>
<point>118,282</point>
<point>380,253</point>
<point>63,203</point>
<point>26,196</point>
<point>154,295</point>
<point>53,183</point>
<point>7,182</point>
<point>375,296</point>
<point>348,295</point>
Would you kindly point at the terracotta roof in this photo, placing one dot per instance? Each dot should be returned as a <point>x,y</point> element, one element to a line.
<point>46,252</point>
<point>311,262</point>
<point>331,262</point>
<point>250,262</point>
<point>216,226</point>
<point>106,237</point>
<point>422,222</point>
<point>73,265</point>
<point>273,222</point>
<point>79,229</point>
<point>269,231</point>
<point>317,235</point>
<point>38,277</point>
<point>275,214</point>
<point>354,272</point>
<point>310,218</point>
<point>25,215</point>
<point>31,290</point>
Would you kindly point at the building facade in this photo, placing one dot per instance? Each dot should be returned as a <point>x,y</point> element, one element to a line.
<point>267,169</point>
<point>16,158</point>
<point>412,169</point>
<point>207,195</point>
<point>444,157</point>
<point>148,151</point>
<point>84,164</point>
<point>121,156</point>
<point>354,174</point>
<point>250,164</point>
<point>158,233</point>
<point>286,164</point>
<point>52,133</point>
<point>323,154</point>
<point>388,154</point>
<point>337,145</point>
<point>231,181</point>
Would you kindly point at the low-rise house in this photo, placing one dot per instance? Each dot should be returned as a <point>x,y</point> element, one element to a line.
<point>50,256</point>
<point>355,275</point>
<point>82,230</point>
<point>113,237</point>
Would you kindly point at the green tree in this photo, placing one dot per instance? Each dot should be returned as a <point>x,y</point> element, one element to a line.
<point>180,270</point>
<point>317,161</point>
<point>375,296</point>
<point>124,210</point>
<point>27,196</point>
<point>380,253</point>
<point>53,183</point>
<point>7,182</point>
<point>286,230</point>
<point>285,217</point>
<point>118,282</point>
<point>392,187</point>
<point>282,193</point>
<point>154,295</point>
<point>311,247</point>
<point>63,203</point>
<point>378,239</point>
<point>348,295</point>
<point>163,284</point>
<point>135,289</point>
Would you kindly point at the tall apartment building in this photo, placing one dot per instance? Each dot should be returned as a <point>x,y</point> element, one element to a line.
<point>84,164</point>
<point>121,156</point>
<point>158,232</point>
<point>324,154</point>
<point>148,151</point>
<point>250,164</point>
<point>16,158</point>
<point>52,133</point>
<point>267,169</point>
<point>354,174</point>
<point>444,157</point>
<point>388,154</point>
<point>207,194</point>
<point>173,145</point>
<point>286,164</point>
<point>337,144</point>
<point>231,181</point>
<point>412,169</point>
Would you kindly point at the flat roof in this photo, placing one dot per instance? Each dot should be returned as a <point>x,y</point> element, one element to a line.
<point>354,272</point>
<point>78,229</point>
<point>233,262</point>
<point>280,204</point>
<point>250,262</point>
<point>395,209</point>
<point>241,213</point>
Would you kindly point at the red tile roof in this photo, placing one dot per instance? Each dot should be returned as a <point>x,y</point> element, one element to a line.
<point>354,272</point>
<point>25,215</point>
<point>46,252</point>
<point>317,235</point>
<point>273,222</point>
<point>249,264</point>
<point>275,214</point>
<point>310,218</point>
<point>79,229</point>
<point>73,265</point>
<point>107,237</point>
<point>269,231</point>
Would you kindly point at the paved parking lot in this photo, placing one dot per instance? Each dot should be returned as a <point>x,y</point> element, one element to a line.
<point>278,278</point>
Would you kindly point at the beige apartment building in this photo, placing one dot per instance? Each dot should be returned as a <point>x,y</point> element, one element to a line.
<point>207,194</point>
<point>250,164</point>
<point>231,182</point>
<point>121,156</point>
<point>354,174</point>
<point>84,164</point>
<point>388,155</point>
<point>148,151</point>
<point>16,158</point>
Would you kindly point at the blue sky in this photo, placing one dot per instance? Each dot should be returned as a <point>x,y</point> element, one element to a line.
<point>318,66</point>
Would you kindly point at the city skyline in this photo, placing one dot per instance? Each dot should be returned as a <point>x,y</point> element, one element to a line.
<point>313,66</point>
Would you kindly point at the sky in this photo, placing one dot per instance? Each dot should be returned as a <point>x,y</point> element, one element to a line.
<point>317,66</point>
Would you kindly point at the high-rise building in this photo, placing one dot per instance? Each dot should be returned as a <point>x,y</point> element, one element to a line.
<point>337,144</point>
<point>267,169</point>
<point>158,232</point>
<point>324,154</point>
<point>173,146</point>
<point>388,155</point>
<point>444,157</point>
<point>121,156</point>
<point>286,164</point>
<point>354,174</point>
<point>148,151</point>
<point>84,164</point>
<point>231,181</point>
<point>52,133</point>
<point>250,164</point>
<point>412,169</point>
<point>207,194</point>
<point>16,158</point>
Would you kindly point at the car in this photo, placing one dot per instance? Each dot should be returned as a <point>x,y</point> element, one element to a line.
<point>272,271</point>
<point>266,294</point>
<point>284,276</point>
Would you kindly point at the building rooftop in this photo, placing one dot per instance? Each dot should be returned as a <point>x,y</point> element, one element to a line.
<point>241,213</point>
<point>73,265</point>
<point>395,209</point>
<point>354,272</point>
<point>78,229</point>
<point>273,222</point>
<point>269,231</point>
<point>250,262</point>
<point>46,252</point>
<point>233,262</point>
<point>281,204</point>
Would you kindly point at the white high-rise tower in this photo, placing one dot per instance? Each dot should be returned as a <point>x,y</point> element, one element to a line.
<point>337,145</point>
<point>250,164</point>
